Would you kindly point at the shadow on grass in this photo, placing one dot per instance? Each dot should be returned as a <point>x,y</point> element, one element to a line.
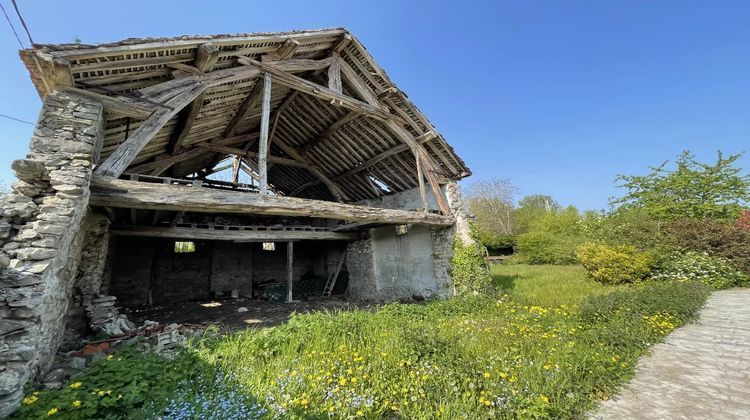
<point>506,281</point>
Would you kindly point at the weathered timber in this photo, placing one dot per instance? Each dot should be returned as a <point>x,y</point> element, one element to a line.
<point>251,102</point>
<point>289,271</point>
<point>240,152</point>
<point>285,51</point>
<point>421,155</point>
<point>192,153</point>
<point>305,86</point>
<point>118,161</point>
<point>263,140</point>
<point>420,179</point>
<point>334,74</point>
<point>109,192</point>
<point>205,58</point>
<point>371,162</point>
<point>336,126</point>
<point>230,235</point>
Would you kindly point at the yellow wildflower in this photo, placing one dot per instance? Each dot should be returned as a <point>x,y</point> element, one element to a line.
<point>76,385</point>
<point>52,411</point>
<point>30,400</point>
<point>77,403</point>
<point>487,375</point>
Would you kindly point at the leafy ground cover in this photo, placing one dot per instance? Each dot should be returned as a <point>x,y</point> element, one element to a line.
<point>552,346</point>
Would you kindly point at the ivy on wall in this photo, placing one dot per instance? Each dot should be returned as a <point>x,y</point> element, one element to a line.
<point>469,269</point>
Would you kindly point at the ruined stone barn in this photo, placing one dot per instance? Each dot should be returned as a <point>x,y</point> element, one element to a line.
<point>330,174</point>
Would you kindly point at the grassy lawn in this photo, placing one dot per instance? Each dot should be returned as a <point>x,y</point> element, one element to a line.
<point>546,285</point>
<point>553,347</point>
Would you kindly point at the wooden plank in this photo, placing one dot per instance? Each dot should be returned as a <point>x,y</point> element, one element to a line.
<point>176,232</point>
<point>314,89</point>
<point>285,51</point>
<point>110,192</point>
<point>289,271</point>
<point>118,161</point>
<point>263,140</point>
<point>205,58</point>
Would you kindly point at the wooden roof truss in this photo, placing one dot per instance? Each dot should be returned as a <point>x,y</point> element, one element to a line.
<point>308,112</point>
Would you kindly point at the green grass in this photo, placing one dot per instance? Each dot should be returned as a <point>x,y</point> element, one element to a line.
<point>529,355</point>
<point>547,285</point>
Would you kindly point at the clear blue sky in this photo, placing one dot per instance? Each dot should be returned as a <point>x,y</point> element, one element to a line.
<point>558,96</point>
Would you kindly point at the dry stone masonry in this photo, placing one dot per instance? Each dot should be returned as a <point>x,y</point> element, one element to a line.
<point>41,238</point>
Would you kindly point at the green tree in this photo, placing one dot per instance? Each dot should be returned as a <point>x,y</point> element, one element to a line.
<point>533,207</point>
<point>692,190</point>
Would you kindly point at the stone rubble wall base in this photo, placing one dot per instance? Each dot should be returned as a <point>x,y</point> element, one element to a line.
<point>41,239</point>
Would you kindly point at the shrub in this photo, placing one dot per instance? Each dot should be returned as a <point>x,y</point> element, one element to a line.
<point>713,238</point>
<point>614,264</point>
<point>647,301</point>
<point>743,222</point>
<point>552,238</point>
<point>711,271</point>
<point>469,269</point>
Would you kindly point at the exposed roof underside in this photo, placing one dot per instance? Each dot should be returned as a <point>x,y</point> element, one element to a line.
<point>362,155</point>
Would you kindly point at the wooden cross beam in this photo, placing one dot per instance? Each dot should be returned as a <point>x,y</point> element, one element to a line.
<point>285,51</point>
<point>325,135</point>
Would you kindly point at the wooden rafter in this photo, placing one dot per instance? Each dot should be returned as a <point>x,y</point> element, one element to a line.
<point>328,132</point>
<point>248,105</point>
<point>206,56</point>
<point>118,161</point>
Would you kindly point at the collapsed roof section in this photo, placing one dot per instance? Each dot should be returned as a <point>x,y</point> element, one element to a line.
<point>338,128</point>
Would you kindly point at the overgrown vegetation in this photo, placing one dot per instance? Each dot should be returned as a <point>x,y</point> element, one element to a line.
<point>469,270</point>
<point>477,357</point>
<point>683,210</point>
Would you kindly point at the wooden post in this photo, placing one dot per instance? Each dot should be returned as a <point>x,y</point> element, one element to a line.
<point>420,178</point>
<point>263,143</point>
<point>236,169</point>
<point>289,271</point>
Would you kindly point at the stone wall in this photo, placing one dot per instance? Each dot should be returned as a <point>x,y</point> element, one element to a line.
<point>41,239</point>
<point>387,266</point>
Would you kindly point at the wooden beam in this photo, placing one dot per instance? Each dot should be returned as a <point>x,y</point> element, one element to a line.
<point>432,180</point>
<point>263,140</point>
<point>420,178</point>
<point>110,192</point>
<point>191,154</point>
<point>305,86</point>
<point>118,161</point>
<point>372,161</point>
<point>248,105</point>
<point>285,51</point>
<point>344,42</point>
<point>277,114</point>
<point>289,272</point>
<point>325,135</point>
<point>236,169</point>
<point>334,75</point>
<point>206,56</point>
<point>337,192</point>
<point>240,152</point>
<point>232,74</point>
<point>230,235</point>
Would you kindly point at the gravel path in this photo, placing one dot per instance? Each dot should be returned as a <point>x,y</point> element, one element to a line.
<point>701,371</point>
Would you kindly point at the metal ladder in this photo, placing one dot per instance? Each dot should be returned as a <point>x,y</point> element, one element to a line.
<point>333,275</point>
